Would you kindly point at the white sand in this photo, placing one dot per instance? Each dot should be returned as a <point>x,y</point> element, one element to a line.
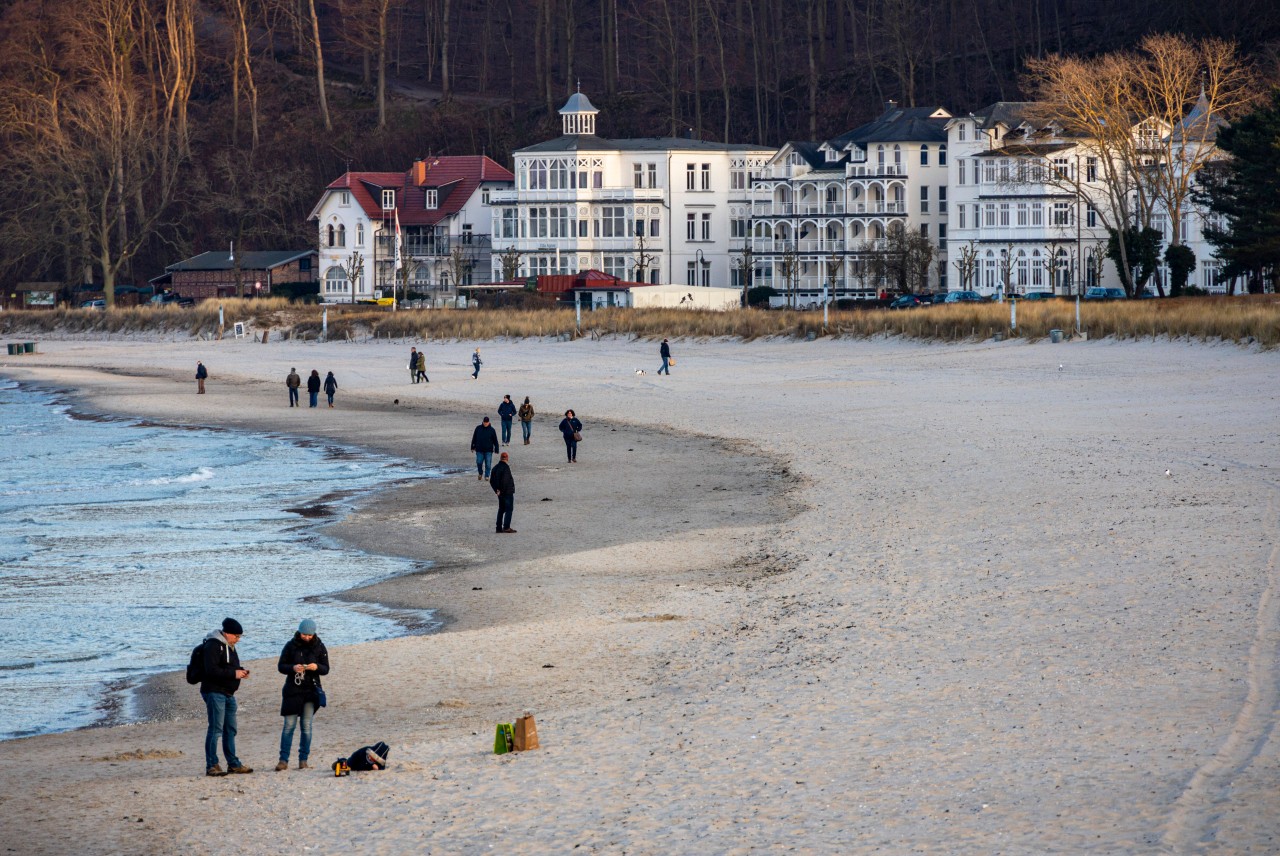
<point>952,605</point>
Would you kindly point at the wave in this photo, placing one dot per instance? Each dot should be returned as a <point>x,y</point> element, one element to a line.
<point>201,474</point>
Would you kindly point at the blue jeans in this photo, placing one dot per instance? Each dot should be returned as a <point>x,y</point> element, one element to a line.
<point>476,373</point>
<point>293,396</point>
<point>222,723</point>
<point>527,428</point>
<point>506,431</point>
<point>571,447</point>
<point>313,396</point>
<point>484,460</point>
<point>304,742</point>
<point>666,366</point>
<point>506,506</point>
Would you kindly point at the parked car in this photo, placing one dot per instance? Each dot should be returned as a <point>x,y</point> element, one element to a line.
<point>171,298</point>
<point>100,303</point>
<point>1039,295</point>
<point>964,297</point>
<point>940,297</point>
<point>909,301</point>
<point>1099,293</point>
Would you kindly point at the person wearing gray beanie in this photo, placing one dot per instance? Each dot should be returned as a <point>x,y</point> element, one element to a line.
<point>302,662</point>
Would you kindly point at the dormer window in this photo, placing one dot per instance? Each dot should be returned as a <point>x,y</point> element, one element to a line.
<point>344,198</point>
<point>832,155</point>
<point>431,199</point>
<point>962,131</point>
<point>795,159</point>
<point>388,200</point>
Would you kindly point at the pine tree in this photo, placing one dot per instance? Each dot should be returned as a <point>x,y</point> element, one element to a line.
<point>1242,190</point>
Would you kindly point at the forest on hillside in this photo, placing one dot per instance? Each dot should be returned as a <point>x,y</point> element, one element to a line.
<point>134,133</point>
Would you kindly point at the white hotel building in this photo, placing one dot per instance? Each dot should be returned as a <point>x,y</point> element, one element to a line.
<point>663,209</point>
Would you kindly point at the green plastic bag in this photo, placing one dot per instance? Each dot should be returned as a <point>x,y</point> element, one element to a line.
<point>503,739</point>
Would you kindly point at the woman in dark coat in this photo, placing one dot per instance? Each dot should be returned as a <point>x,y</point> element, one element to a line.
<point>303,660</point>
<point>313,387</point>
<point>570,426</point>
<point>330,387</point>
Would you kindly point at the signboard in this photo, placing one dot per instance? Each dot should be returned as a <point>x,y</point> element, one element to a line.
<point>40,298</point>
<point>240,331</point>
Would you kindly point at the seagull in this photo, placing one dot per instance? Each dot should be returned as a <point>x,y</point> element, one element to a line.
<point>1168,474</point>
<point>1059,366</point>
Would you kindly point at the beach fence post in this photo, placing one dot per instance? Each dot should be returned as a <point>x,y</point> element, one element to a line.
<point>324,323</point>
<point>1013,313</point>
<point>824,307</point>
<point>1077,313</point>
<point>577,305</point>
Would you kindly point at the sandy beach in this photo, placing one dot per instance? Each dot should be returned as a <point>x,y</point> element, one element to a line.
<point>813,597</point>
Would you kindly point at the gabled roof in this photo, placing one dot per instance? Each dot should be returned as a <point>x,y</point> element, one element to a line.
<point>898,125</point>
<point>1011,114</point>
<point>246,260</point>
<point>1199,124</point>
<point>455,178</point>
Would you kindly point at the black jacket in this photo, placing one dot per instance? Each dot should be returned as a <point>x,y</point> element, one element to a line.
<point>313,383</point>
<point>330,384</point>
<point>568,426</point>
<point>201,372</point>
<point>484,439</point>
<point>502,481</point>
<point>296,693</point>
<point>665,351</point>
<point>507,410</point>
<point>220,665</point>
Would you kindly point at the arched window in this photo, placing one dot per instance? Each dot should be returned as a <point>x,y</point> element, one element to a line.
<point>942,153</point>
<point>330,231</point>
<point>335,281</point>
<point>880,156</point>
<point>924,155</point>
<point>1023,269</point>
<point>897,155</point>
<point>342,235</point>
<point>360,233</point>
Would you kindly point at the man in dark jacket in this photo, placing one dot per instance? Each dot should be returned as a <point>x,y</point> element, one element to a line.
<point>665,353</point>
<point>313,387</point>
<point>506,412</point>
<point>504,485</point>
<point>484,442</point>
<point>294,383</point>
<point>222,676</point>
<point>202,374</point>
<point>413,364</point>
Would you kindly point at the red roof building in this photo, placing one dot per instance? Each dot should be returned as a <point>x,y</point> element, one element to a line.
<point>440,207</point>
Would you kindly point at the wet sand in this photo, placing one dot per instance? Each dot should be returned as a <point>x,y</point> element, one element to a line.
<point>827,597</point>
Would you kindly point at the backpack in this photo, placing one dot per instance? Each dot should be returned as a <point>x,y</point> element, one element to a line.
<point>195,668</point>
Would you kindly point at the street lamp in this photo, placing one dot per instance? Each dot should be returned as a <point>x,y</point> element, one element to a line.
<point>702,279</point>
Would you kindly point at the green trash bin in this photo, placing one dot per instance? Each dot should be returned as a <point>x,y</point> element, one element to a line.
<point>1055,336</point>
<point>28,347</point>
<point>12,348</point>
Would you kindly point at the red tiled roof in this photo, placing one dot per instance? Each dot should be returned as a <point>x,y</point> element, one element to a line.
<point>456,178</point>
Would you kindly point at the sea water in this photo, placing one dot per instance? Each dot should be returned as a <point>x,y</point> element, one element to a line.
<point>122,543</point>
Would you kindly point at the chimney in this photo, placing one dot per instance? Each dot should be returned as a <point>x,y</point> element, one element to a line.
<point>419,172</point>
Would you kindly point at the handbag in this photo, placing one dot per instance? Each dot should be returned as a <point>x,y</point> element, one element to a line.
<point>671,361</point>
<point>577,435</point>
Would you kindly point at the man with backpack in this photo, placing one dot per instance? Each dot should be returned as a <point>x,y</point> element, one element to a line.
<point>219,675</point>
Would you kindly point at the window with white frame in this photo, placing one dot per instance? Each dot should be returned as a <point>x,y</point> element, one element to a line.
<point>637,175</point>
<point>691,273</point>
<point>924,199</point>
<point>1004,214</point>
<point>431,199</point>
<point>1021,215</point>
<point>691,227</point>
<point>613,221</point>
<point>706,177</point>
<point>1062,169</point>
<point>942,199</point>
<point>975,170</point>
<point>359,233</point>
<point>924,155</point>
<point>960,211</point>
<point>924,230</point>
<point>1037,214</point>
<point>738,227</point>
<point>706,226</point>
<point>1062,213</point>
<point>942,154</point>
<point>737,179</point>
<point>507,223</point>
<point>1090,169</point>
<point>960,174</point>
<point>653,227</point>
<point>1037,269</point>
<point>962,132</point>
<point>335,281</point>
<point>1091,217</point>
<point>691,176</point>
<point>344,198</point>
<point>616,266</point>
<point>388,200</point>
<point>989,171</point>
<point>989,214</point>
<point>653,174</point>
<point>342,235</point>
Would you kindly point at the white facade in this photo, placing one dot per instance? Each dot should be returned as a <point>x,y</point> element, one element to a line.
<point>820,208</point>
<point>661,209</point>
<point>1030,210</point>
<point>444,213</point>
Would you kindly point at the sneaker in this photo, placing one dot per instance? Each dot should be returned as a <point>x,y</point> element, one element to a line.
<point>303,765</point>
<point>509,531</point>
<point>479,477</point>
<point>215,770</point>
<point>240,768</point>
<point>282,766</point>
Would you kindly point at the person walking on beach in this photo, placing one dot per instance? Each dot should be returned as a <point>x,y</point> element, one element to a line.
<point>330,387</point>
<point>201,375</point>
<point>477,363</point>
<point>504,485</point>
<point>302,662</point>
<point>665,353</point>
<point>220,680</point>
<point>422,368</point>
<point>526,419</point>
<point>571,428</point>
<point>313,387</point>
<point>413,365</point>
<point>506,412</point>
<point>484,442</point>
<point>293,381</point>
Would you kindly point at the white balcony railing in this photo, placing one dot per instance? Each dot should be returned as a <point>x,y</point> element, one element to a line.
<point>593,194</point>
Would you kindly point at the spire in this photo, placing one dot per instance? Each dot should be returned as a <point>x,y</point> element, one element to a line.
<point>578,116</point>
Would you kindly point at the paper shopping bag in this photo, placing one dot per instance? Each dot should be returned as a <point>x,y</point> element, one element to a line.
<point>525,735</point>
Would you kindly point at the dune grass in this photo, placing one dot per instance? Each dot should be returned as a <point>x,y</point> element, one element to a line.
<point>1253,319</point>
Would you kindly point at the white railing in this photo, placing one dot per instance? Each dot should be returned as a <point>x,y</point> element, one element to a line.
<point>619,194</point>
<point>873,170</point>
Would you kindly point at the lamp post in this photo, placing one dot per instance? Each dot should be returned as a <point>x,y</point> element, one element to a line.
<point>701,264</point>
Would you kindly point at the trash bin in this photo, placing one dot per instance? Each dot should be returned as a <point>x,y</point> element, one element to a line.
<point>14,349</point>
<point>28,347</point>
<point>1055,336</point>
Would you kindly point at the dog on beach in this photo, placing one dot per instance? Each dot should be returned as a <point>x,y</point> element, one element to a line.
<point>641,371</point>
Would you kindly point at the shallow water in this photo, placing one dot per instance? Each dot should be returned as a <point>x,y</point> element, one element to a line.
<point>122,543</point>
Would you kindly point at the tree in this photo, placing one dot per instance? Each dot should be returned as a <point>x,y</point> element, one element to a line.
<point>1241,192</point>
<point>966,265</point>
<point>789,268</point>
<point>354,268</point>
<point>903,259</point>
<point>1181,261</point>
<point>510,261</point>
<point>1140,262</point>
<point>744,262</point>
<point>643,259</point>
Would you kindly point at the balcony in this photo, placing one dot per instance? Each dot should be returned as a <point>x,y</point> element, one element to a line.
<point>826,209</point>
<point>582,194</point>
<point>867,170</point>
<point>429,246</point>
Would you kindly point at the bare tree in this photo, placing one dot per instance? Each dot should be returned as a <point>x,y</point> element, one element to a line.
<point>319,55</point>
<point>966,265</point>
<point>510,261</point>
<point>789,267</point>
<point>745,264</point>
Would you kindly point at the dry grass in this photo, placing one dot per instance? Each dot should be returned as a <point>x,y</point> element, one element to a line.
<point>1245,320</point>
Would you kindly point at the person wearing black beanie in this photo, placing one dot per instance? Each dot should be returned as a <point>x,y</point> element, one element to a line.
<point>221,678</point>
